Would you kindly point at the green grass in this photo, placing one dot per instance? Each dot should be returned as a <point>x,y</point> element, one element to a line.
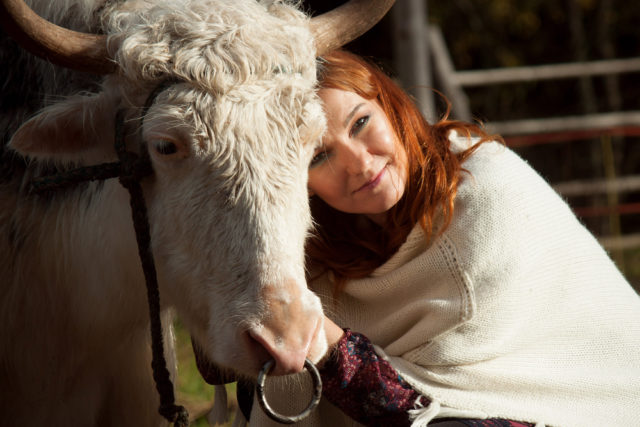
<point>192,391</point>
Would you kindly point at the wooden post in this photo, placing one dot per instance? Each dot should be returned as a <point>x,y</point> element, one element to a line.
<point>411,53</point>
<point>447,76</point>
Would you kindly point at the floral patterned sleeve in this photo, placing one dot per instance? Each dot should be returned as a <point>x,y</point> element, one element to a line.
<point>364,386</point>
<point>369,390</point>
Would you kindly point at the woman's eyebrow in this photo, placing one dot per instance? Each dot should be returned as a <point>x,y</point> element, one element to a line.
<point>351,114</point>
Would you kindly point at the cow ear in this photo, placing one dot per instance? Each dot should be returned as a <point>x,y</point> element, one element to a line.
<point>67,130</point>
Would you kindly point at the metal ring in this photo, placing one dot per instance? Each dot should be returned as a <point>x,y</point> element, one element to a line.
<point>288,419</point>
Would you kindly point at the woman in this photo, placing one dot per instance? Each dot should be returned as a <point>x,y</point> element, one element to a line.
<point>489,304</point>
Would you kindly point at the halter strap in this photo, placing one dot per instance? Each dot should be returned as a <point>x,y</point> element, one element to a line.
<point>130,169</point>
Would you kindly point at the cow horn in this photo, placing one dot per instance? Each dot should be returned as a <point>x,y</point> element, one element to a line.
<point>88,52</point>
<point>67,48</point>
<point>346,23</point>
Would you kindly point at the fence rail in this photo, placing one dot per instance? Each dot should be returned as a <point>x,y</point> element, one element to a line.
<point>602,123</point>
<point>616,243</point>
<point>545,72</point>
<point>598,186</point>
<point>555,129</point>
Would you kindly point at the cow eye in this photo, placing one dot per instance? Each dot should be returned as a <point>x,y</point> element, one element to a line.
<point>165,147</point>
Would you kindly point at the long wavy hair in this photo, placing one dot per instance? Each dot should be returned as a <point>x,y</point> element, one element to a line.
<point>338,243</point>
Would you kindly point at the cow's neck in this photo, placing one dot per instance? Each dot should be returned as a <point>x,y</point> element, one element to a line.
<point>88,255</point>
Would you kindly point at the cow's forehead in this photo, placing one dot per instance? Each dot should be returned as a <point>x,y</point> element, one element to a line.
<point>273,119</point>
<point>282,119</point>
<point>220,47</point>
<point>289,102</point>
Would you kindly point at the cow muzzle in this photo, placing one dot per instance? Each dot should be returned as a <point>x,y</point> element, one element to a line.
<point>291,329</point>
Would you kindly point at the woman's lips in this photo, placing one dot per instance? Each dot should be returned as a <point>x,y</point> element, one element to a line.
<point>373,182</point>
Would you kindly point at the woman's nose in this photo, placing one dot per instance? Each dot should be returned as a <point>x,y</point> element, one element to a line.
<point>356,158</point>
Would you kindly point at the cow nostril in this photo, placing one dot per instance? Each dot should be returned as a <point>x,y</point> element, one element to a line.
<point>287,360</point>
<point>255,349</point>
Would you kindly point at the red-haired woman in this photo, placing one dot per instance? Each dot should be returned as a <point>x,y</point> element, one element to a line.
<point>460,289</point>
<point>489,304</point>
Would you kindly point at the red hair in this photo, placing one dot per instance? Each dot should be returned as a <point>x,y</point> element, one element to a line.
<point>432,177</point>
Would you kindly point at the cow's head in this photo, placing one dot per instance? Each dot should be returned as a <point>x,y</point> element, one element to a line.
<point>230,141</point>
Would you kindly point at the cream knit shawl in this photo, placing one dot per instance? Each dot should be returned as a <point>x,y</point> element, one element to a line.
<point>515,312</point>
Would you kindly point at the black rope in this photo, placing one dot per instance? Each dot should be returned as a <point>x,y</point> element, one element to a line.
<point>134,168</point>
<point>130,170</point>
<point>76,176</point>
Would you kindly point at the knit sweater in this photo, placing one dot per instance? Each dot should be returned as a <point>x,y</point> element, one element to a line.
<point>514,312</point>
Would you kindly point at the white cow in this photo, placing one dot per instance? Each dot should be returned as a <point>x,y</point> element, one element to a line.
<point>229,143</point>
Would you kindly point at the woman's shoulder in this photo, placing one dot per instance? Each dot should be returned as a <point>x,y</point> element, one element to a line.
<point>503,206</point>
<point>495,177</point>
<point>493,160</point>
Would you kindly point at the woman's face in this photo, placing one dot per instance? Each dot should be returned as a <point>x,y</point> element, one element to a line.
<point>360,167</point>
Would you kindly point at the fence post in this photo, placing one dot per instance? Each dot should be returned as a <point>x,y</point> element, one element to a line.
<point>443,66</point>
<point>411,52</point>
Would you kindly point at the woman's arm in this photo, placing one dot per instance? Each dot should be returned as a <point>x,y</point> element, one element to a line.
<point>361,384</point>
<point>369,390</point>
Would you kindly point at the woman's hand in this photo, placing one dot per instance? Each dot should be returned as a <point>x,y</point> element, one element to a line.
<point>333,332</point>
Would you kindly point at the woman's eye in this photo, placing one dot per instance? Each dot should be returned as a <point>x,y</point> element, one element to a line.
<point>320,157</point>
<point>359,124</point>
<point>165,147</point>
